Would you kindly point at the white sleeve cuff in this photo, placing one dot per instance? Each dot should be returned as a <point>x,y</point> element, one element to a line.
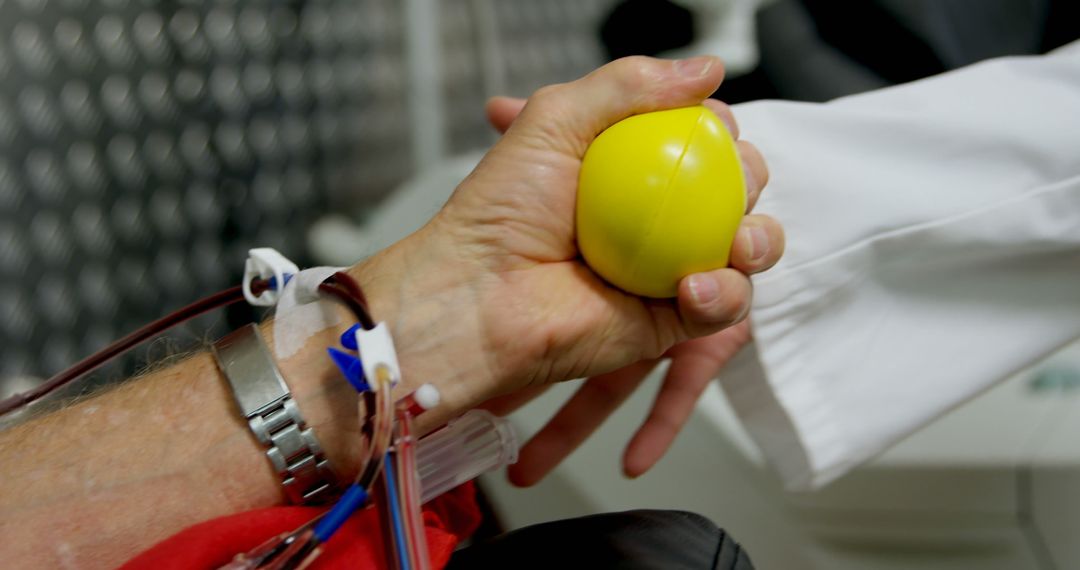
<point>934,249</point>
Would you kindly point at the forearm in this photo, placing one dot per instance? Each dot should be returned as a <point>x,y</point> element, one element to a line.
<point>101,480</point>
<point>106,477</point>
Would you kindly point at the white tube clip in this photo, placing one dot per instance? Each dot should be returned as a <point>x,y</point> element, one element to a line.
<point>378,355</point>
<point>267,263</point>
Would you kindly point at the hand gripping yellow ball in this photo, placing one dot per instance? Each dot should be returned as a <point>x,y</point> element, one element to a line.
<point>660,197</point>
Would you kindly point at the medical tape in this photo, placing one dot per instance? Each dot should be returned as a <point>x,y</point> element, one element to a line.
<point>302,312</point>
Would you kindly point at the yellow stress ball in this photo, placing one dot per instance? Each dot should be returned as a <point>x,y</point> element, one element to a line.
<point>660,197</point>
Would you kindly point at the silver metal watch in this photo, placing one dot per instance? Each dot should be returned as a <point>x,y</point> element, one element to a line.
<point>266,403</point>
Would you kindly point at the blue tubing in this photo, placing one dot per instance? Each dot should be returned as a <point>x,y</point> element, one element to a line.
<point>395,513</point>
<point>354,498</point>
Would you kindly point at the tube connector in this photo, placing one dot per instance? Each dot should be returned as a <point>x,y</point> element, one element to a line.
<point>267,263</point>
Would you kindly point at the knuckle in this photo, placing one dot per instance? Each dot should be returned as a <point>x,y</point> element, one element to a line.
<point>547,94</point>
<point>634,64</point>
<point>635,72</point>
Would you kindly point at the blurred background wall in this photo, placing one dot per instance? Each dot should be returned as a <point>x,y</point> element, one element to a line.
<point>146,144</point>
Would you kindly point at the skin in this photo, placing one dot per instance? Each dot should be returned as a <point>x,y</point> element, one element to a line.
<point>694,362</point>
<point>489,301</point>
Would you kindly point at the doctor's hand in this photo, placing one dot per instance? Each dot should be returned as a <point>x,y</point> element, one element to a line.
<point>694,362</point>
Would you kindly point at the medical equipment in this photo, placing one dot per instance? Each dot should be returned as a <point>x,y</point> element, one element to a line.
<point>660,197</point>
<point>412,472</point>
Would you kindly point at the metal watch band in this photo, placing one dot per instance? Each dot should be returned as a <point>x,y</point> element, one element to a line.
<point>266,403</point>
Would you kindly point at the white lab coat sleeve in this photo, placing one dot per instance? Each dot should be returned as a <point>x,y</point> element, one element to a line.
<point>933,248</point>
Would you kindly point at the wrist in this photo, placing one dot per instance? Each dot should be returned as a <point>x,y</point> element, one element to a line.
<point>427,295</point>
<point>433,326</point>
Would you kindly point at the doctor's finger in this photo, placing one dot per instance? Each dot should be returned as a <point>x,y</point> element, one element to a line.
<point>582,414</point>
<point>501,111</point>
<point>755,170</point>
<point>689,375</point>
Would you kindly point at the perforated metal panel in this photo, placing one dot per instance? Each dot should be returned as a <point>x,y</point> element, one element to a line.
<point>536,43</point>
<point>145,145</point>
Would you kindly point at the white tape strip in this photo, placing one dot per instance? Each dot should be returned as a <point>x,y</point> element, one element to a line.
<point>301,313</point>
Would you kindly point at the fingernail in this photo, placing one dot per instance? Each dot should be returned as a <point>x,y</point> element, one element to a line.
<point>703,289</point>
<point>757,242</point>
<point>694,67</point>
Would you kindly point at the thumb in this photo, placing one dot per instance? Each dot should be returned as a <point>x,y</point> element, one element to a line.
<point>567,117</point>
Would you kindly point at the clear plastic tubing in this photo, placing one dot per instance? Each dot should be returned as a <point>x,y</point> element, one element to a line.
<point>466,448</point>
